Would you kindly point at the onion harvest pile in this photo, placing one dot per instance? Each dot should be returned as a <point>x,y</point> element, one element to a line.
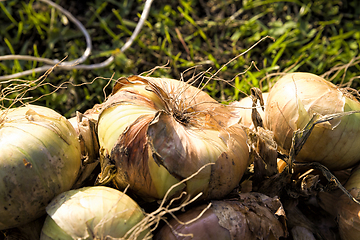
<point>159,131</point>
<point>159,138</point>
<point>39,158</point>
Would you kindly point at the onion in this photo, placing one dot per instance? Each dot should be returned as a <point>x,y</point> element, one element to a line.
<point>263,148</point>
<point>39,158</point>
<point>290,105</point>
<point>85,127</point>
<point>159,131</point>
<point>92,213</point>
<point>348,211</point>
<point>244,108</point>
<point>253,216</point>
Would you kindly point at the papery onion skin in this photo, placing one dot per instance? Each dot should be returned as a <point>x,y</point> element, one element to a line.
<point>154,148</point>
<point>85,127</point>
<point>91,213</point>
<point>243,107</point>
<point>291,103</point>
<point>251,217</point>
<point>39,158</point>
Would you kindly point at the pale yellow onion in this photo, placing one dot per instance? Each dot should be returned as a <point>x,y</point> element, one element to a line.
<point>92,213</point>
<point>39,158</point>
<point>142,121</point>
<point>243,107</point>
<point>291,103</point>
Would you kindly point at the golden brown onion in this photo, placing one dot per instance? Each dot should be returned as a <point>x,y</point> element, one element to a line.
<point>292,102</point>
<point>159,131</point>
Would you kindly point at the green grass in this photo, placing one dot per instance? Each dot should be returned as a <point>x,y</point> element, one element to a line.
<point>311,36</point>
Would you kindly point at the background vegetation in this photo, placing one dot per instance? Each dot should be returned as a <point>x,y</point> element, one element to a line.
<point>311,36</point>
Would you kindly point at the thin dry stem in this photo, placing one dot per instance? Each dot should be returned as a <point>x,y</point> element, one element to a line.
<point>151,71</point>
<point>186,86</point>
<point>182,108</point>
<point>179,234</point>
<point>186,223</point>
<point>338,68</point>
<point>153,219</point>
<point>193,220</point>
<point>23,87</point>
<point>243,53</point>
<point>351,92</point>
<point>106,85</point>
<point>105,218</point>
<point>204,82</point>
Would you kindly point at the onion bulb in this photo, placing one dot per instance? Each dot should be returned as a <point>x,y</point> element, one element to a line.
<point>291,103</point>
<point>159,131</point>
<point>244,108</point>
<point>39,159</point>
<point>253,216</point>
<point>96,212</point>
<point>348,211</point>
<point>85,127</point>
